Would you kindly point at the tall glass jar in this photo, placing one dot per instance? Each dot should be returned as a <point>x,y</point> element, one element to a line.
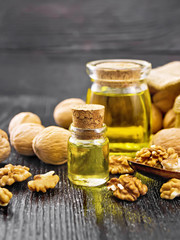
<point>120,85</point>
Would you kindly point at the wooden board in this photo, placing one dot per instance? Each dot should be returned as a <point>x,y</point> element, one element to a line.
<point>44,46</point>
<point>70,212</point>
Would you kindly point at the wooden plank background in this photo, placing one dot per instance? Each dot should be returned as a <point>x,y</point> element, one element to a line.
<point>44,46</point>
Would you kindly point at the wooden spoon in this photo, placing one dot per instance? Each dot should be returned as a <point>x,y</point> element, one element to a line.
<point>153,170</point>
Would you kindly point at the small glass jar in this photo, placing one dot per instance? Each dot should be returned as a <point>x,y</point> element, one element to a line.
<point>88,152</point>
<point>120,85</point>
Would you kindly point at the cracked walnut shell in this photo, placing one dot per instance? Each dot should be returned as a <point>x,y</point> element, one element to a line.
<point>154,155</point>
<point>42,182</point>
<point>127,187</point>
<point>119,165</point>
<point>10,174</point>
<point>5,148</point>
<point>170,189</point>
<point>5,197</point>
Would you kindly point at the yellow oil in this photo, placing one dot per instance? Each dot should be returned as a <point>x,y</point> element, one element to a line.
<point>128,119</point>
<point>88,161</point>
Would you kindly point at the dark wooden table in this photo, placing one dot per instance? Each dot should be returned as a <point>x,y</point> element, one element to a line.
<point>44,46</point>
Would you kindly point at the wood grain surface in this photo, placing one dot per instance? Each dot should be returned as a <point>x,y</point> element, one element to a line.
<point>44,46</point>
<point>70,212</point>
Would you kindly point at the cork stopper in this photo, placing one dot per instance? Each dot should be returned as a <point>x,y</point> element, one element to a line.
<point>118,71</point>
<point>88,116</point>
<point>176,107</point>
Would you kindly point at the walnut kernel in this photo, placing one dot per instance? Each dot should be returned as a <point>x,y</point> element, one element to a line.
<point>119,165</point>
<point>42,182</point>
<point>5,197</point>
<point>154,155</point>
<point>10,174</point>
<point>171,164</point>
<point>127,187</point>
<point>170,189</point>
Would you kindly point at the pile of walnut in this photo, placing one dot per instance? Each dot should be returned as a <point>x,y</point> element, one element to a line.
<point>126,187</point>
<point>29,137</point>
<point>129,188</point>
<point>10,174</point>
<point>157,156</point>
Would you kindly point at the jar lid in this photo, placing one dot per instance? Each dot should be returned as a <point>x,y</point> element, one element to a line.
<point>118,70</point>
<point>88,116</point>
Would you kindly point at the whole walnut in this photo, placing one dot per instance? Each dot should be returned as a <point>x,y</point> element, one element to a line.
<point>50,145</point>
<point>164,100</point>
<point>157,119</point>
<point>169,119</point>
<point>63,112</point>
<point>23,117</point>
<point>5,148</point>
<point>22,136</point>
<point>168,138</point>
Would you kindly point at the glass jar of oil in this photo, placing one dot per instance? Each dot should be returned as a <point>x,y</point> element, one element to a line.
<point>88,147</point>
<point>120,85</point>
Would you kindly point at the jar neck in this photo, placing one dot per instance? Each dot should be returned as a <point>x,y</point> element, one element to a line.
<point>119,83</point>
<point>88,134</point>
<point>129,89</point>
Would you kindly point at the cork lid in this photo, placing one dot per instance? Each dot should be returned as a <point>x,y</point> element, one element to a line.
<point>88,116</point>
<point>118,72</point>
<point>176,107</point>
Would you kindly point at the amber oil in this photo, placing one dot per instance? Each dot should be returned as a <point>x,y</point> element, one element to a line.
<point>128,119</point>
<point>121,87</point>
<point>88,152</point>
